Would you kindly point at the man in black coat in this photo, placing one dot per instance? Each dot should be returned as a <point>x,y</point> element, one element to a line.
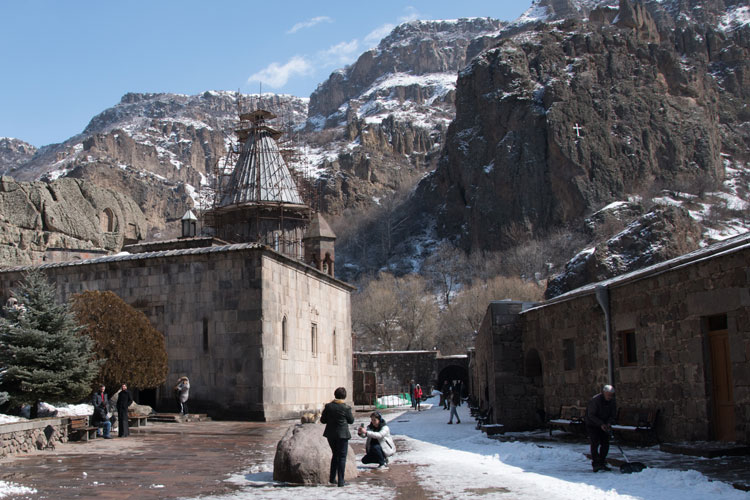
<point>123,403</point>
<point>337,416</point>
<point>600,415</point>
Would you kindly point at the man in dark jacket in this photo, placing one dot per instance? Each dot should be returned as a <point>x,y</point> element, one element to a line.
<point>124,401</point>
<point>337,416</point>
<point>600,415</point>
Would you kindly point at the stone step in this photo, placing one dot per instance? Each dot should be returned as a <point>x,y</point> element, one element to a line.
<point>179,418</point>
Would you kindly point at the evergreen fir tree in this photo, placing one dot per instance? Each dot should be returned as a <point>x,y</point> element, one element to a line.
<point>43,355</point>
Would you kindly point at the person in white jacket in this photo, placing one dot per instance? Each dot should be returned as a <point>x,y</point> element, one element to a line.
<point>379,445</point>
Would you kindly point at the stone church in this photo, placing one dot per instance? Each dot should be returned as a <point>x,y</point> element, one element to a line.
<point>250,309</point>
<point>673,338</point>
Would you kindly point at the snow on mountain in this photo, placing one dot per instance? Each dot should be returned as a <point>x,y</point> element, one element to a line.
<point>735,17</point>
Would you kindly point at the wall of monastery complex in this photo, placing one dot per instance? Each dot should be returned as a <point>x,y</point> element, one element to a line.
<point>221,311</point>
<point>680,344</point>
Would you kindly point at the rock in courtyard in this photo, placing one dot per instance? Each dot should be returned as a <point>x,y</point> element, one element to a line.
<point>304,457</point>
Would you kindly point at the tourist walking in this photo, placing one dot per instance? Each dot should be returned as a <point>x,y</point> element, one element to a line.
<point>182,392</point>
<point>337,416</point>
<point>455,401</point>
<point>444,399</point>
<point>124,400</point>
<point>379,445</point>
<point>100,417</point>
<point>600,414</point>
<point>417,397</point>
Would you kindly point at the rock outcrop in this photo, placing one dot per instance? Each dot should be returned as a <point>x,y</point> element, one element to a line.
<point>14,152</point>
<point>569,116</point>
<point>304,457</point>
<point>659,235</point>
<point>64,215</point>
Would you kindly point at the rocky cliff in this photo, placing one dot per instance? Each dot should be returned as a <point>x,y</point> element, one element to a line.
<point>14,152</point>
<point>563,117</point>
<point>158,149</point>
<point>378,125</point>
<point>67,214</point>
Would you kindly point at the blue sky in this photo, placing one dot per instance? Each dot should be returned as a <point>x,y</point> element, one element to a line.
<point>64,62</point>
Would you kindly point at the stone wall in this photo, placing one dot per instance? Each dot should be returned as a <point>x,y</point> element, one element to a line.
<point>220,309</point>
<point>305,376</point>
<point>499,371</point>
<point>22,437</point>
<point>666,308</point>
<point>396,369</point>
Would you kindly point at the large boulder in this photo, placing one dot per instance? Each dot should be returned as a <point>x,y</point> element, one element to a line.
<point>304,457</point>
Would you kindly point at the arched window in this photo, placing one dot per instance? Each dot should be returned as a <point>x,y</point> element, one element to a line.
<point>107,221</point>
<point>284,341</point>
<point>335,352</point>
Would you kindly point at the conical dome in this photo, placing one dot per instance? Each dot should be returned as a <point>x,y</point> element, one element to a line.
<point>261,175</point>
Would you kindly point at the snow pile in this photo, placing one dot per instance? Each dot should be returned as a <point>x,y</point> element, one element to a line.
<point>9,419</point>
<point>392,401</point>
<point>13,490</point>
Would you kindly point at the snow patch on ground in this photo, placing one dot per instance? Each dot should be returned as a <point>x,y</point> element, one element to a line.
<point>14,490</point>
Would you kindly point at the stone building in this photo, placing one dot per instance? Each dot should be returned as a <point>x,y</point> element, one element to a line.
<point>261,333</point>
<point>674,337</point>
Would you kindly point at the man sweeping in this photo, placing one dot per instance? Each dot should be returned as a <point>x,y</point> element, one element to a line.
<point>600,415</point>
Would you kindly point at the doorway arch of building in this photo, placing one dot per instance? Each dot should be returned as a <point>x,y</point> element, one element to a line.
<point>454,372</point>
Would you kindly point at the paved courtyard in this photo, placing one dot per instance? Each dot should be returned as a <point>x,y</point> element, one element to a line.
<point>169,461</point>
<point>234,461</point>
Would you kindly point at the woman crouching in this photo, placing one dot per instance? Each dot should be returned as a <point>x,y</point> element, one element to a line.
<point>379,445</point>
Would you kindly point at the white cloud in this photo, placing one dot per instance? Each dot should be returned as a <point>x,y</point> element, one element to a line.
<point>276,75</point>
<point>309,23</point>
<point>341,53</point>
<point>380,32</point>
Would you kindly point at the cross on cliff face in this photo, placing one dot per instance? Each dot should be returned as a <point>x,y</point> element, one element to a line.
<point>578,129</point>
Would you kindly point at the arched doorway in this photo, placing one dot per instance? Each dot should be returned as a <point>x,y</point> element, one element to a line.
<point>452,373</point>
<point>533,372</point>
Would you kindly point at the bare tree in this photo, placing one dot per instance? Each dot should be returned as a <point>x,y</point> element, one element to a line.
<point>417,313</point>
<point>462,320</point>
<point>375,314</point>
<point>445,268</point>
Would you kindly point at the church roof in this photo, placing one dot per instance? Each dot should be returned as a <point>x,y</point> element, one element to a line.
<point>261,175</point>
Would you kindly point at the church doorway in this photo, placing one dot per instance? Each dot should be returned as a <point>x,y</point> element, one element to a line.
<point>533,372</point>
<point>721,379</point>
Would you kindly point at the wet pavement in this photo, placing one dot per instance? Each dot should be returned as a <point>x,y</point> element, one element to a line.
<point>170,461</point>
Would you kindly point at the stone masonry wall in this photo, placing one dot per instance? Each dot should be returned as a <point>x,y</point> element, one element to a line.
<point>500,372</point>
<point>667,312</point>
<point>304,377</point>
<point>209,303</point>
<point>22,437</point>
<point>395,369</point>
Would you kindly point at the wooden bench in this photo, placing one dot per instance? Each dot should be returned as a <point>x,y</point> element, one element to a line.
<point>492,429</point>
<point>571,419</point>
<point>80,429</point>
<point>137,420</point>
<point>483,417</point>
<point>639,422</point>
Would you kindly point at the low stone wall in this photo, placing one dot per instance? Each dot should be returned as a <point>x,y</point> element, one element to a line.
<point>22,437</point>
